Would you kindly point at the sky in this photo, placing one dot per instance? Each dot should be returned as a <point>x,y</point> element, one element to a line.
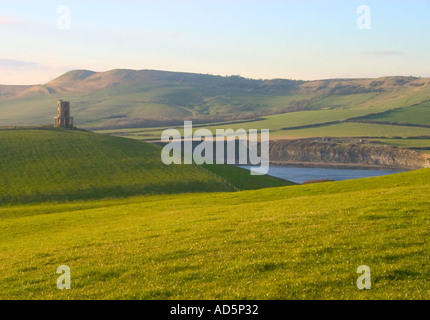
<point>261,39</point>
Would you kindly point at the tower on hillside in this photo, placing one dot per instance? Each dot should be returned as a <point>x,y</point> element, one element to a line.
<point>63,119</point>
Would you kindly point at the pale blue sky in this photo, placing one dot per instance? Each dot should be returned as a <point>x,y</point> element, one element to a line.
<point>252,38</point>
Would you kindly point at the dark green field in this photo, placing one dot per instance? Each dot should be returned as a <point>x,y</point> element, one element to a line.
<point>418,115</point>
<point>65,165</point>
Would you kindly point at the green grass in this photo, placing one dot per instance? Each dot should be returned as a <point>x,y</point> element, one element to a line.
<point>65,165</point>
<point>242,180</point>
<point>282,127</point>
<point>352,129</point>
<point>419,115</point>
<point>406,143</point>
<point>298,242</point>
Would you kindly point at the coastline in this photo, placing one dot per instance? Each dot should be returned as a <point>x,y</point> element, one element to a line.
<point>339,165</point>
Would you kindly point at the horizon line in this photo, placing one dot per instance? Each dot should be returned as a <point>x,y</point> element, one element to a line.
<point>219,75</point>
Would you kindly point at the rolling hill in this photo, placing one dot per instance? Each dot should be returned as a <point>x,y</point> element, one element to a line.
<point>298,242</point>
<point>148,98</point>
<point>65,165</point>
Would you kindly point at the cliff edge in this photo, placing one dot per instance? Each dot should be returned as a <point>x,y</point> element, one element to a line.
<point>314,152</point>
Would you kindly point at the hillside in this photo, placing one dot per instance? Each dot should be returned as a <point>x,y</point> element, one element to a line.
<point>149,98</point>
<point>299,242</point>
<point>65,165</point>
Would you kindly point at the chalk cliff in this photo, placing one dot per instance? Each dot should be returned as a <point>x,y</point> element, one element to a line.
<point>348,154</point>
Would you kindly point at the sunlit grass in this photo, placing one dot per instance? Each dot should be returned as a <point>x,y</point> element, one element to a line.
<point>284,243</point>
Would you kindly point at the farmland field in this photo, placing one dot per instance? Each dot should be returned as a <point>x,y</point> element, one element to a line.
<point>406,143</point>
<point>351,129</point>
<point>316,124</point>
<point>419,115</point>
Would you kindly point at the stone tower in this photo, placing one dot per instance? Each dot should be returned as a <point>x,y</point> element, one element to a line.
<point>63,119</point>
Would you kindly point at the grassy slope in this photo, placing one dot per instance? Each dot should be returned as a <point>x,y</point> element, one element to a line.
<point>324,118</point>
<point>406,143</point>
<point>277,123</point>
<point>291,242</point>
<point>351,129</point>
<point>62,165</point>
<point>102,107</point>
<point>419,115</point>
<point>125,96</point>
<point>241,178</point>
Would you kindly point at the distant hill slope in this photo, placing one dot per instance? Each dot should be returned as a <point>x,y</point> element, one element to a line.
<point>61,165</point>
<point>149,98</point>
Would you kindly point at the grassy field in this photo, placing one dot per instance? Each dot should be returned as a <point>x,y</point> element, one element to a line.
<point>327,123</point>
<point>297,242</point>
<point>406,143</point>
<point>419,115</point>
<point>242,180</point>
<point>65,165</point>
<point>351,129</point>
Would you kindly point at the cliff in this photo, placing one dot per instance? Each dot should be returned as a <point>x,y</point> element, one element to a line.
<point>313,152</point>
